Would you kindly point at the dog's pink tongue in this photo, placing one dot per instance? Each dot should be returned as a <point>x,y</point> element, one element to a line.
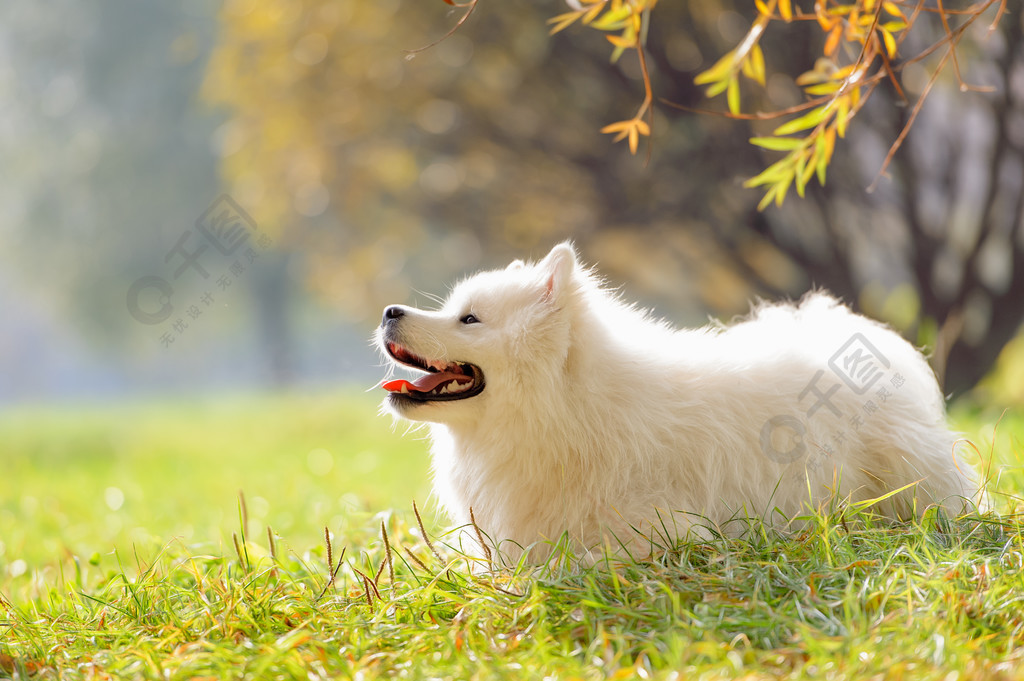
<point>425,383</point>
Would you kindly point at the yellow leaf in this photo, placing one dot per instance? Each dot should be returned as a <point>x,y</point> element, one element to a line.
<point>756,60</point>
<point>746,68</point>
<point>777,143</point>
<point>824,70</point>
<point>781,189</point>
<point>808,173</point>
<point>563,21</point>
<point>638,22</point>
<point>808,120</point>
<point>631,130</point>
<point>719,71</point>
<point>767,199</point>
<point>616,127</point>
<point>832,42</point>
<point>801,167</point>
<point>826,21</point>
<point>820,89</point>
<point>786,10</point>
<point>622,41</point>
<point>844,72</point>
<point>893,9</point>
<point>718,88</point>
<point>592,13</point>
<point>842,115</point>
<point>613,19</point>
<point>830,145</point>
<point>890,43</point>
<point>820,162</point>
<point>770,175</point>
<point>732,95</point>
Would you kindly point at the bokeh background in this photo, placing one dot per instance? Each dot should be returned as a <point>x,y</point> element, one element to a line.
<point>374,176</point>
<point>371,174</point>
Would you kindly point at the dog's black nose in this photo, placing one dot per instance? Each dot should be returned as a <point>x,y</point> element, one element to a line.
<point>392,312</point>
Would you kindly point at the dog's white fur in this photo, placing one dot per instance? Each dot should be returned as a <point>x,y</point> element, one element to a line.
<point>603,423</point>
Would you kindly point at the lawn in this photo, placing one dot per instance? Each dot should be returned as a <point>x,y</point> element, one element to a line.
<point>187,540</point>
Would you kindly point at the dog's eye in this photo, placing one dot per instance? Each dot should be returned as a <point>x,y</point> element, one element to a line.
<point>470,319</point>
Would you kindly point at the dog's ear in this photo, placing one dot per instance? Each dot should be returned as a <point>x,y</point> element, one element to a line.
<point>558,267</point>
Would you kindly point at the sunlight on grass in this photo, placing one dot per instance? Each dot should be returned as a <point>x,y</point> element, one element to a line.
<point>176,576</point>
<point>87,480</point>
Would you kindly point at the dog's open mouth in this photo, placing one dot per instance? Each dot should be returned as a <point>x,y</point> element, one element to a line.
<point>443,380</point>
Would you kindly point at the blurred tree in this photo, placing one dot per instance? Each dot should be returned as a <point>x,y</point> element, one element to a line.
<point>939,249</point>
<point>81,125</point>
<point>864,47</point>
<point>362,158</point>
<point>109,163</point>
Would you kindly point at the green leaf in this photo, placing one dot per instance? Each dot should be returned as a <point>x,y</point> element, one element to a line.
<point>717,88</point>
<point>822,165</point>
<point>720,71</point>
<point>800,174</point>
<point>809,120</point>
<point>772,174</point>
<point>844,113</point>
<point>767,198</point>
<point>779,143</point>
<point>781,189</point>
<point>613,20</point>
<point>804,177</point>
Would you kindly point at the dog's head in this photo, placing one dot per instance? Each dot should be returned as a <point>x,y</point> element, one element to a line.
<point>495,340</point>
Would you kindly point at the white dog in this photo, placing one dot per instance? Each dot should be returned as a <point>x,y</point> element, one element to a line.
<point>559,412</point>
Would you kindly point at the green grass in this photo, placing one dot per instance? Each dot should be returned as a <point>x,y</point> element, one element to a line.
<point>158,587</point>
<point>84,480</point>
